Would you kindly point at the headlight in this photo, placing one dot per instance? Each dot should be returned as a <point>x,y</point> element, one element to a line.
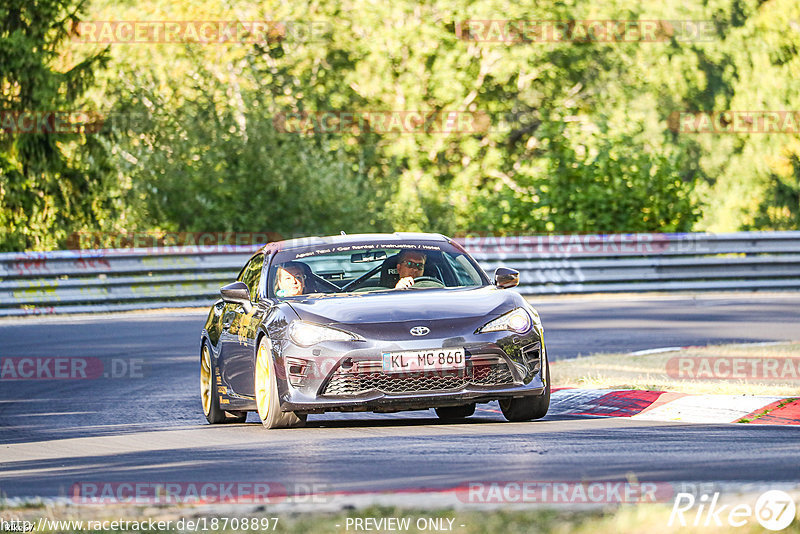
<point>307,334</point>
<point>517,320</point>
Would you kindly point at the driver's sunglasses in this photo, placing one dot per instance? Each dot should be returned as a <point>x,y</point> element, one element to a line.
<point>414,265</point>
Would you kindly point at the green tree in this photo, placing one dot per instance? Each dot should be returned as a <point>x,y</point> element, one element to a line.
<point>579,137</point>
<point>44,190</point>
<point>208,165</point>
<point>780,207</point>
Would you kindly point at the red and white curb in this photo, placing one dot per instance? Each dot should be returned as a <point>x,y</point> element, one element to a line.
<point>679,407</point>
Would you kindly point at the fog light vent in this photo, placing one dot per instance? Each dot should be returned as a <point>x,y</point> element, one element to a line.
<point>296,370</point>
<point>532,357</point>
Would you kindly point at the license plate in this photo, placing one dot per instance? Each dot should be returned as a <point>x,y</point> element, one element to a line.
<point>412,361</point>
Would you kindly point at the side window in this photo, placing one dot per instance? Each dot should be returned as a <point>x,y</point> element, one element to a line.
<point>466,275</point>
<point>252,274</point>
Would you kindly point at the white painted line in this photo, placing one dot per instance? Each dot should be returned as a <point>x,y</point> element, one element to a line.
<point>655,351</point>
<point>707,408</point>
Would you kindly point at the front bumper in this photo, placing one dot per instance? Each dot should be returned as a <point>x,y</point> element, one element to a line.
<point>382,402</point>
<point>348,377</point>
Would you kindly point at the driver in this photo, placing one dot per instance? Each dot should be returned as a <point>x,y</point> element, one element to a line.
<point>290,280</point>
<point>410,265</point>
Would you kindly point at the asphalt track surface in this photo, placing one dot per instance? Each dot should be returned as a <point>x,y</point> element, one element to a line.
<point>147,426</point>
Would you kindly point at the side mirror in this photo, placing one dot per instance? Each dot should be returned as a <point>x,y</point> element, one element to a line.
<point>505,277</point>
<point>237,293</point>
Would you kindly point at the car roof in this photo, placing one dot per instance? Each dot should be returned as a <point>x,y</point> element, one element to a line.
<point>397,237</point>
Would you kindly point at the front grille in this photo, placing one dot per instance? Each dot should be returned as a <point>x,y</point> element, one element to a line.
<point>487,371</point>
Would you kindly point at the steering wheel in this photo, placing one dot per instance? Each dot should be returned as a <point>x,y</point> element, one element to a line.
<point>427,281</point>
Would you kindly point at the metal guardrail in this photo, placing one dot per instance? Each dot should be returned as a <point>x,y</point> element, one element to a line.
<point>34,283</point>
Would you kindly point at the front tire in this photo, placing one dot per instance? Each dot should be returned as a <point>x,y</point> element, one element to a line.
<point>208,393</point>
<point>266,388</point>
<point>527,408</point>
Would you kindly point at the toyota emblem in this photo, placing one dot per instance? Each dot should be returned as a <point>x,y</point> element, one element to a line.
<point>420,331</point>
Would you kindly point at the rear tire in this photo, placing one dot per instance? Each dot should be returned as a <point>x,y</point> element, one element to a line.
<point>527,408</point>
<point>451,413</point>
<point>266,388</point>
<point>208,393</point>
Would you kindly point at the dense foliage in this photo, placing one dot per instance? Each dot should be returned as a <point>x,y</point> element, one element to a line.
<point>571,136</point>
<point>48,185</point>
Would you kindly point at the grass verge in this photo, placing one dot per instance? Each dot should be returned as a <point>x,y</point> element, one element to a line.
<point>740,369</point>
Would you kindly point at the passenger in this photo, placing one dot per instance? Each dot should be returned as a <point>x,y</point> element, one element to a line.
<point>290,280</point>
<point>410,265</point>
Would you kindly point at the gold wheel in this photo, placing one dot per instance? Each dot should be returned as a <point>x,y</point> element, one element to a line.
<point>266,386</point>
<point>209,394</point>
<point>205,380</point>
<point>263,383</point>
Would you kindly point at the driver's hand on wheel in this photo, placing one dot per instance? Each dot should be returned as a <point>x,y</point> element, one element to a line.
<point>405,282</point>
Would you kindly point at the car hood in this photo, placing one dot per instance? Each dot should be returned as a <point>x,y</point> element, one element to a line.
<point>407,305</point>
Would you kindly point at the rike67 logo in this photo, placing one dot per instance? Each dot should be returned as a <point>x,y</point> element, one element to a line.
<point>773,510</point>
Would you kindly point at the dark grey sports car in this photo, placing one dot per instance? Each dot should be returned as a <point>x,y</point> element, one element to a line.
<point>381,322</point>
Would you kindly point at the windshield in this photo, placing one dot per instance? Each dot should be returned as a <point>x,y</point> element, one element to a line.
<point>366,267</point>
